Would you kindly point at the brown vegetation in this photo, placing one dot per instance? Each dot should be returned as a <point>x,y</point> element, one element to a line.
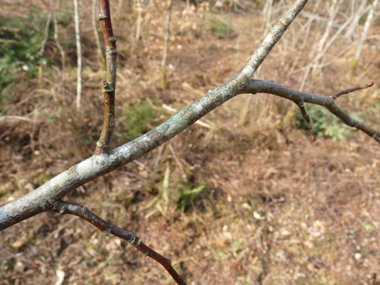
<point>251,204</point>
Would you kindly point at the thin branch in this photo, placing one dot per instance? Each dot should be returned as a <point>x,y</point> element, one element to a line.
<point>270,87</point>
<point>109,85</point>
<point>365,30</point>
<point>272,38</point>
<point>358,53</point>
<point>43,45</point>
<point>166,45</point>
<point>307,119</point>
<point>82,212</point>
<point>60,47</point>
<point>139,8</point>
<point>10,119</point>
<point>79,54</point>
<point>46,37</point>
<point>94,27</point>
<point>346,91</point>
<point>357,15</point>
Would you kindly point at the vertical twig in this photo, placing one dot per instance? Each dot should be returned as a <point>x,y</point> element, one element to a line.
<point>139,20</point>
<point>43,44</point>
<point>355,62</point>
<point>357,15</point>
<point>79,54</point>
<point>166,47</point>
<point>109,85</point>
<point>60,47</point>
<point>307,119</point>
<point>318,53</point>
<point>244,111</point>
<point>94,27</point>
<point>267,14</point>
<point>333,13</point>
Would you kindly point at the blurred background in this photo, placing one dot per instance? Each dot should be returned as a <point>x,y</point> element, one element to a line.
<point>243,197</point>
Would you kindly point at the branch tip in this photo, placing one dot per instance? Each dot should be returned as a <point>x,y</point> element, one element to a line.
<point>346,91</point>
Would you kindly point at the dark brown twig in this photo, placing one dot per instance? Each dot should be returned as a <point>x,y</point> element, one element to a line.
<point>307,119</point>
<point>270,87</point>
<point>109,85</point>
<point>346,91</point>
<point>82,212</point>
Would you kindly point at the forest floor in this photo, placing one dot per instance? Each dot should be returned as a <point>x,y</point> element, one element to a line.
<point>268,206</point>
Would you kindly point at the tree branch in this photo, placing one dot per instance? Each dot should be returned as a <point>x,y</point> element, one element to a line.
<point>109,85</point>
<point>272,38</point>
<point>48,196</point>
<point>82,212</point>
<point>34,202</point>
<point>79,54</point>
<point>270,87</point>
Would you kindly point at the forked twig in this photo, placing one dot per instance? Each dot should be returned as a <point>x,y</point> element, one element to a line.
<point>83,212</point>
<point>270,87</point>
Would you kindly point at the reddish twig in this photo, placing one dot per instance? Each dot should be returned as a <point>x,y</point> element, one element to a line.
<point>109,85</point>
<point>346,91</point>
<point>308,121</point>
<point>82,212</point>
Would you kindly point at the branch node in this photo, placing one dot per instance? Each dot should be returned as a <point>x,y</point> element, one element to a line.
<point>63,210</point>
<point>101,144</point>
<point>107,87</point>
<point>102,16</point>
<point>133,239</point>
<point>107,232</point>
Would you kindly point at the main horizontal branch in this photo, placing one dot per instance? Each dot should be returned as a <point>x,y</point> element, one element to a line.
<point>36,201</point>
<point>101,163</point>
